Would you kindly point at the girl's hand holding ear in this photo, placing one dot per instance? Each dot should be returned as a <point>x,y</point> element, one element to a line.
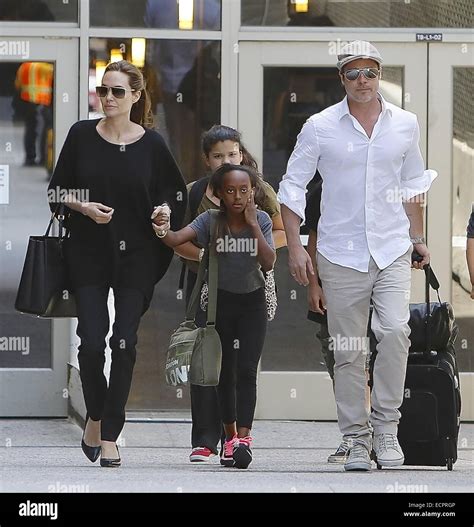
<point>250,211</point>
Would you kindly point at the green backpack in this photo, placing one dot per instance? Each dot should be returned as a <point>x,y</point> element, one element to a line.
<point>195,354</point>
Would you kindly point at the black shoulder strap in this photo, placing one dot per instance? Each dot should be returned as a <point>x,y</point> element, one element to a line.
<point>210,262</point>
<point>194,199</point>
<point>196,194</point>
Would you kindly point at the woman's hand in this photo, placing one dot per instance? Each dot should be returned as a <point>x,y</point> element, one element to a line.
<point>250,211</point>
<point>161,220</point>
<point>161,215</point>
<point>160,229</point>
<point>97,212</point>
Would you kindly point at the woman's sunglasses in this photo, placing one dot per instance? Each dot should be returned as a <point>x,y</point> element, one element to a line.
<point>353,74</point>
<point>118,93</point>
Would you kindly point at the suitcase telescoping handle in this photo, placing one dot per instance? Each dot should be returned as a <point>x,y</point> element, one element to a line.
<point>430,280</point>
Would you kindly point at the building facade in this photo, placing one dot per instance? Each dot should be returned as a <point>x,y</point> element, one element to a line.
<point>262,66</point>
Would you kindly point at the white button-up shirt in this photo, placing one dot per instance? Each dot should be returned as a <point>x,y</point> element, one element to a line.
<point>365,181</point>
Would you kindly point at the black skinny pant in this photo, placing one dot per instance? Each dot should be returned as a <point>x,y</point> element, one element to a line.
<point>107,403</point>
<point>207,424</point>
<point>241,323</point>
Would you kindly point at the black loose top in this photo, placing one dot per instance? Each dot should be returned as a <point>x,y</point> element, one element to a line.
<point>131,179</point>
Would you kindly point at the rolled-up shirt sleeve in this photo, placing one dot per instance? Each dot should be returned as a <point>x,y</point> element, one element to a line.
<point>300,170</point>
<point>415,179</point>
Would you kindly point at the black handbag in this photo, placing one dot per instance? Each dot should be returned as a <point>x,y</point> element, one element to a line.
<point>432,324</point>
<point>43,289</point>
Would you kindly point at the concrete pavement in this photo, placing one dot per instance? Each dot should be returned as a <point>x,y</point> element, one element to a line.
<point>43,455</point>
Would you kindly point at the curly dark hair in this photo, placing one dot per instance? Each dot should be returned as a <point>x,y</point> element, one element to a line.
<point>217,180</point>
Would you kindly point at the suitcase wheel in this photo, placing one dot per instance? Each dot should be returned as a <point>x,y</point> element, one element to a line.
<point>379,467</point>
<point>450,464</point>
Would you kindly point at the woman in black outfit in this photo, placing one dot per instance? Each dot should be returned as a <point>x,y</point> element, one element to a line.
<point>125,170</point>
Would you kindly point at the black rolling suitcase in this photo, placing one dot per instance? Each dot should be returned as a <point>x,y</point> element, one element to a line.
<point>430,413</point>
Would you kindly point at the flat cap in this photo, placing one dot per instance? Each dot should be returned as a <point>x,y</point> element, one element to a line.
<point>357,49</point>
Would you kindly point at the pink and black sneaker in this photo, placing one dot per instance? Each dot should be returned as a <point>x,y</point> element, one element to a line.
<point>201,454</point>
<point>227,459</point>
<point>242,452</point>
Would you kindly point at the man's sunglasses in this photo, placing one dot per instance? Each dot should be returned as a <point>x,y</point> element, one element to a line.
<point>353,74</point>
<point>118,93</point>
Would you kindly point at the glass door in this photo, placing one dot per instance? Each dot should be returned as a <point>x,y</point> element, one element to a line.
<point>451,153</point>
<point>286,83</point>
<point>38,104</point>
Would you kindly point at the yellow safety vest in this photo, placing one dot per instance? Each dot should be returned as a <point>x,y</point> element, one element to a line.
<point>34,80</point>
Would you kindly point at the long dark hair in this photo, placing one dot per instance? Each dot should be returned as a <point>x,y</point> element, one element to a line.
<point>220,132</point>
<point>141,111</point>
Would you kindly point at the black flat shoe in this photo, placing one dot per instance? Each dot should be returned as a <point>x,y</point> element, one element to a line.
<point>92,452</point>
<point>111,462</point>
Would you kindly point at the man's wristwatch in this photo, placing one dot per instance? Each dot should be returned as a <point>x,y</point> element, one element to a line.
<point>201,254</point>
<point>417,239</point>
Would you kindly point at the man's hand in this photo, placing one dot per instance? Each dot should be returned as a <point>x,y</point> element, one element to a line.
<point>422,250</point>
<point>316,299</point>
<point>299,263</point>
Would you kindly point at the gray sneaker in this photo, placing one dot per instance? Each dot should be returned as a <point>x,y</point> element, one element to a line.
<point>388,452</point>
<point>340,455</point>
<point>359,458</point>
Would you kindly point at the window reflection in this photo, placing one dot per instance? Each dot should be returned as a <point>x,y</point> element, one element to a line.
<point>38,10</point>
<point>162,14</point>
<point>27,136</point>
<point>463,201</point>
<point>358,13</point>
<point>292,95</point>
<point>183,78</point>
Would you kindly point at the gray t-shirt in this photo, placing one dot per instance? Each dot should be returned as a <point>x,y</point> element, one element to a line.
<point>239,270</point>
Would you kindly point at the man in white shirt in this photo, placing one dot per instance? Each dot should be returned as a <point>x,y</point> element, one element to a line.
<point>367,153</point>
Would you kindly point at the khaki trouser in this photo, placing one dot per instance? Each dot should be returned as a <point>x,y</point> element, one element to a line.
<point>348,293</point>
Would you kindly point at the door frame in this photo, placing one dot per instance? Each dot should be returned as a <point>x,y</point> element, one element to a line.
<point>43,392</point>
<point>309,394</point>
